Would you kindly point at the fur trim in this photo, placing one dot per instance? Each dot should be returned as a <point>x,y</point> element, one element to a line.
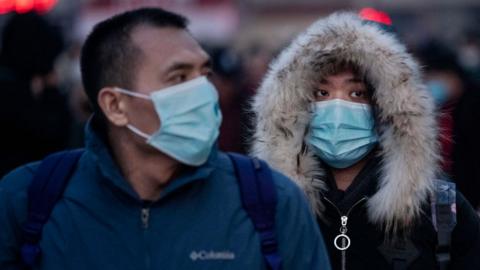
<point>405,114</point>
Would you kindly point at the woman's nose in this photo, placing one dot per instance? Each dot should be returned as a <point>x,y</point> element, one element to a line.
<point>339,95</point>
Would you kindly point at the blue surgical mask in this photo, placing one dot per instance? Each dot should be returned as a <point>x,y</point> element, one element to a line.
<point>342,132</point>
<point>439,91</point>
<point>190,118</point>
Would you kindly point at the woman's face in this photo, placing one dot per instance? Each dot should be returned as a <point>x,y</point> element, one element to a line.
<point>344,85</point>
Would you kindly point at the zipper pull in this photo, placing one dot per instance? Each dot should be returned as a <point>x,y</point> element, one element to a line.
<point>342,241</point>
<point>344,220</point>
<point>145,216</point>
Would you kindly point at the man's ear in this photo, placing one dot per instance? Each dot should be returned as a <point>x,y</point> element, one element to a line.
<point>113,105</point>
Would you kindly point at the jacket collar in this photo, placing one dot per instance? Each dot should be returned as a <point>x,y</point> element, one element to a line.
<point>98,151</point>
<point>364,185</point>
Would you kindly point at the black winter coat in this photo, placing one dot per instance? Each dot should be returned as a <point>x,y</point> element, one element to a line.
<point>369,249</point>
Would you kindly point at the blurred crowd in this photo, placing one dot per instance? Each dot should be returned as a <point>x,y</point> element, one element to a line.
<point>43,107</point>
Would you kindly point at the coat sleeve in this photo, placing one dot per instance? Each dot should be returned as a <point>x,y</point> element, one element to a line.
<point>301,244</point>
<point>13,207</point>
<point>465,237</point>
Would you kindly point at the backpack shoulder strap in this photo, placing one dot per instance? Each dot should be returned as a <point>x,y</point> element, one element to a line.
<point>259,199</point>
<point>444,217</point>
<point>44,191</point>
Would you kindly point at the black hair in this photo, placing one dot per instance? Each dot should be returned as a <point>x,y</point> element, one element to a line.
<point>226,63</point>
<point>109,57</point>
<point>436,55</point>
<point>30,45</point>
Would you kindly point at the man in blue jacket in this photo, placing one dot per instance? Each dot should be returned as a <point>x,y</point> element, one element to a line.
<point>151,191</point>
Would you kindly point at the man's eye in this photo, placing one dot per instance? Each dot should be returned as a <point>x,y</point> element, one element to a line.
<point>321,93</point>
<point>208,73</point>
<point>179,78</point>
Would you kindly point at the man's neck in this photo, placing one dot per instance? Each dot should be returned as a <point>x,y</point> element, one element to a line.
<point>147,173</point>
<point>344,177</point>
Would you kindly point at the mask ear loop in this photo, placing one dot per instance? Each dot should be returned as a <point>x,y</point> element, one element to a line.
<point>131,93</point>
<point>134,94</point>
<point>138,132</point>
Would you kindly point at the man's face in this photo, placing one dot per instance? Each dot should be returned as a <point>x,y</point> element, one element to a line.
<point>344,85</point>
<point>170,56</point>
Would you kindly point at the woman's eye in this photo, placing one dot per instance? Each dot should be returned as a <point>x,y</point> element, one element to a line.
<point>321,93</point>
<point>358,94</point>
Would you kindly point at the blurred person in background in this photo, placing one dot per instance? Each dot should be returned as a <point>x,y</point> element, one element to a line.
<point>469,55</point>
<point>151,190</point>
<point>466,150</point>
<point>466,163</point>
<point>255,65</point>
<point>345,114</point>
<point>227,78</point>
<point>458,101</point>
<point>446,82</point>
<point>466,138</point>
<point>68,68</point>
<point>34,114</point>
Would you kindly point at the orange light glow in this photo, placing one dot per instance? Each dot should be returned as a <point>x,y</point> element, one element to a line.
<point>42,6</point>
<point>6,6</point>
<point>24,6</point>
<point>371,14</point>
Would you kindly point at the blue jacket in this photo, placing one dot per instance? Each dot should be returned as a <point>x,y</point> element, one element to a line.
<point>199,222</point>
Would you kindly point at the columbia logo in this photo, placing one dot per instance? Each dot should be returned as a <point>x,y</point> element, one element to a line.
<point>211,255</point>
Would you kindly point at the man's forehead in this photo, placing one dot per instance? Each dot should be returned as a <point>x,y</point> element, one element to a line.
<point>165,47</point>
<point>163,40</point>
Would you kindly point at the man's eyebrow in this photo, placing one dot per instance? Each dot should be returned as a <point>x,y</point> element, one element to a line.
<point>179,66</point>
<point>183,65</point>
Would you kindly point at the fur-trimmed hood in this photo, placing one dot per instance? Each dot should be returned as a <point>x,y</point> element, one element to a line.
<point>405,114</point>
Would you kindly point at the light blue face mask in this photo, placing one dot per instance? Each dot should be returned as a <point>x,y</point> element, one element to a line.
<point>342,132</point>
<point>190,118</point>
<point>439,91</point>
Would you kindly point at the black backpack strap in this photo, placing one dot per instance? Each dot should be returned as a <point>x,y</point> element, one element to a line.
<point>259,199</point>
<point>45,190</point>
<point>444,217</point>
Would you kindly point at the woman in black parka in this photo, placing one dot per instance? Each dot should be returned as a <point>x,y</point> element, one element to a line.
<point>345,114</point>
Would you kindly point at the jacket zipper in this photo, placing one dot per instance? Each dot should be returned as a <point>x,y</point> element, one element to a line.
<point>349,210</point>
<point>145,219</point>
<point>345,240</point>
<point>145,216</point>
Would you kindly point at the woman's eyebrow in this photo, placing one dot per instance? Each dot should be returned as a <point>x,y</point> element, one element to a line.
<point>355,80</point>
<point>324,81</point>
